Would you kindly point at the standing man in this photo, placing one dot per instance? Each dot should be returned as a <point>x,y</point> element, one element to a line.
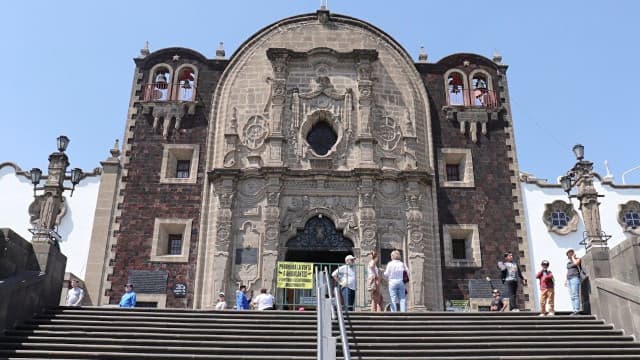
<point>242,301</point>
<point>75,294</point>
<point>547,292</point>
<point>345,275</point>
<point>510,276</point>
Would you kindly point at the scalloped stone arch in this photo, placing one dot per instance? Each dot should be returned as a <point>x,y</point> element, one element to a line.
<point>250,62</point>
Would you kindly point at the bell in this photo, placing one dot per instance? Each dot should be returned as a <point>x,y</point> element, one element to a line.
<point>186,84</point>
<point>161,79</point>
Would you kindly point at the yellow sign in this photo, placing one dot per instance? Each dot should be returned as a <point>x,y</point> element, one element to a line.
<point>295,275</point>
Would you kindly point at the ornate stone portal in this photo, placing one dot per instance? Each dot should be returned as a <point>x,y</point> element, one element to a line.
<point>322,138</point>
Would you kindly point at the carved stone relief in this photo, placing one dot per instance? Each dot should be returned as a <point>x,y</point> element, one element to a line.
<point>320,233</point>
<point>254,132</point>
<point>47,210</point>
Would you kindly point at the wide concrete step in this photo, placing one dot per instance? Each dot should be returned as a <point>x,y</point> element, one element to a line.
<point>101,355</point>
<point>162,336</point>
<point>471,337</point>
<point>151,329</point>
<point>175,324</point>
<point>241,347</point>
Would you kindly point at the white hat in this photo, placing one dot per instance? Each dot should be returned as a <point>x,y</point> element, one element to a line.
<point>570,250</point>
<point>349,257</point>
<point>221,294</point>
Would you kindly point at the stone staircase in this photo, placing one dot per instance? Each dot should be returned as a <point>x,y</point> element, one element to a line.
<point>113,333</point>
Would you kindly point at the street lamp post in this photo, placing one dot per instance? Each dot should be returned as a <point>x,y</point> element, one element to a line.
<point>47,207</point>
<point>582,176</point>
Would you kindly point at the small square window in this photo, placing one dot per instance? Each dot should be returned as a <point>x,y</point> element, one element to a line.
<point>179,164</point>
<point>182,169</point>
<point>453,172</point>
<point>171,240</point>
<point>458,249</point>
<point>461,246</point>
<point>175,244</point>
<point>456,168</point>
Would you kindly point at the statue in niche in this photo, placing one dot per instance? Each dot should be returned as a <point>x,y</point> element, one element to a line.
<point>409,157</point>
<point>233,123</point>
<point>408,124</point>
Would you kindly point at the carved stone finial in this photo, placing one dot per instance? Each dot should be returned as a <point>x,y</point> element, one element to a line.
<point>145,50</point>
<point>323,16</point>
<point>497,58</point>
<point>422,57</point>
<point>220,53</point>
<point>115,150</point>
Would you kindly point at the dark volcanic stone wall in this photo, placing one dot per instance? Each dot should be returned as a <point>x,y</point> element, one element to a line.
<point>490,203</point>
<point>145,198</point>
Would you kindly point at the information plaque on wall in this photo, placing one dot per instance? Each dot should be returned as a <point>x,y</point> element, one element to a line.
<point>246,256</point>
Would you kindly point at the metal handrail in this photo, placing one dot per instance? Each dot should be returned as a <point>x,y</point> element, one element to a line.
<point>478,98</point>
<point>343,333</point>
<point>319,316</point>
<point>326,279</point>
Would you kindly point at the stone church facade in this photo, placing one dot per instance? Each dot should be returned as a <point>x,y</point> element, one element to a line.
<point>319,137</point>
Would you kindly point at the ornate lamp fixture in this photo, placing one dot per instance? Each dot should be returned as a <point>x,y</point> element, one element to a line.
<point>581,176</point>
<point>47,208</point>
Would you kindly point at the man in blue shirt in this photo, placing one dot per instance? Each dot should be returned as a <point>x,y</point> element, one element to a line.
<point>128,300</point>
<point>242,302</point>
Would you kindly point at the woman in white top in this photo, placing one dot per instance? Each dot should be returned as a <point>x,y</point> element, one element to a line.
<point>373,282</point>
<point>395,274</point>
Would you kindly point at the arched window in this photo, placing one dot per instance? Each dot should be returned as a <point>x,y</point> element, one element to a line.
<point>455,88</point>
<point>480,87</point>
<point>186,84</point>
<point>159,89</point>
<point>322,137</point>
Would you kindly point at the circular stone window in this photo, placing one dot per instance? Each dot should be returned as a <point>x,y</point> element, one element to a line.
<point>321,138</point>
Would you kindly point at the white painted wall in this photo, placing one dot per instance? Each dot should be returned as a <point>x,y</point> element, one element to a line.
<point>16,194</point>
<point>544,244</point>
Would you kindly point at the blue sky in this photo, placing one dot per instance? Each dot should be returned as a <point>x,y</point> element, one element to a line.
<point>572,66</point>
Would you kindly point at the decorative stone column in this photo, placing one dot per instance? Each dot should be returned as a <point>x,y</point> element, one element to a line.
<point>271,220</point>
<point>415,244</point>
<point>367,216</point>
<point>275,140</point>
<point>224,191</point>
<point>364,138</point>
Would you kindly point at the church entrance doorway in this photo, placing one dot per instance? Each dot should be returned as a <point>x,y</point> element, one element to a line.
<point>320,243</point>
